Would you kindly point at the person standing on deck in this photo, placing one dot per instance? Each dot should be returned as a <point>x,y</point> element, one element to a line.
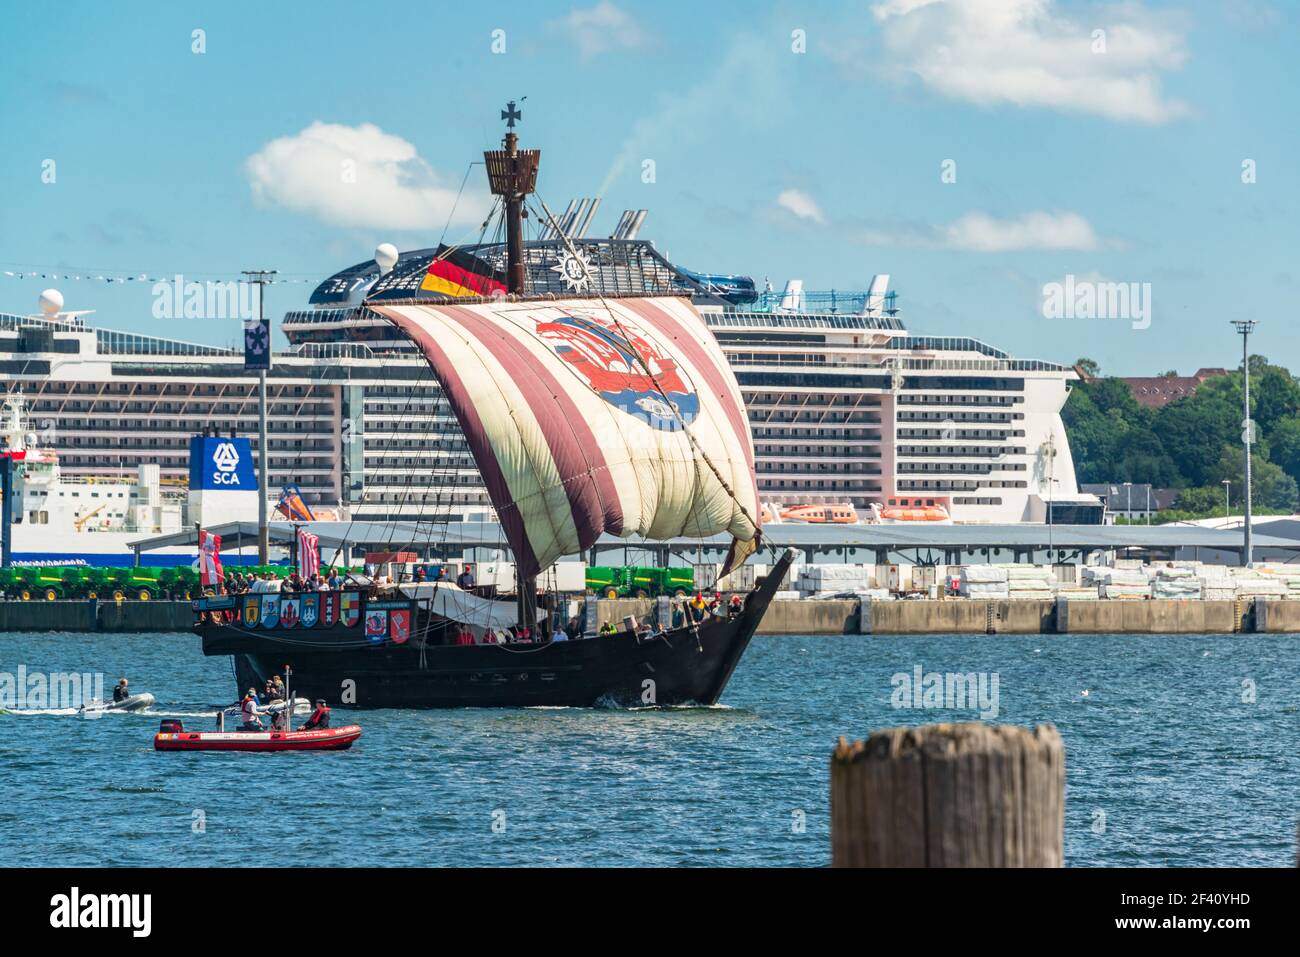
<point>465,579</point>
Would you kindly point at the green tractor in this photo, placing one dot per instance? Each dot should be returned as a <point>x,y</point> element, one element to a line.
<point>181,582</point>
<point>41,583</point>
<point>639,581</point>
<point>135,584</point>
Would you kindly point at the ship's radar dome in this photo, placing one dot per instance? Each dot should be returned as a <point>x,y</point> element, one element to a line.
<point>386,257</point>
<point>51,301</point>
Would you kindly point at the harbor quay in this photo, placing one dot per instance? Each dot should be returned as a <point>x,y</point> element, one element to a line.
<point>796,617</point>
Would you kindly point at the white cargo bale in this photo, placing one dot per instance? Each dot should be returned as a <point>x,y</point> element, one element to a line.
<point>983,574</point>
<point>1177,588</point>
<point>1029,573</point>
<point>986,590</point>
<point>1104,575</point>
<point>1251,587</point>
<point>1125,591</point>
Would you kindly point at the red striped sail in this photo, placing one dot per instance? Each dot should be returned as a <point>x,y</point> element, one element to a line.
<point>586,419</point>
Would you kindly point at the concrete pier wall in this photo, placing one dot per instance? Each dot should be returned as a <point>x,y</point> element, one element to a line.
<point>1277,615</point>
<point>95,616</point>
<point>1157,617</point>
<point>795,617</point>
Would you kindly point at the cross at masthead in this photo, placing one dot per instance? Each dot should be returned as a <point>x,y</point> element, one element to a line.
<point>510,115</point>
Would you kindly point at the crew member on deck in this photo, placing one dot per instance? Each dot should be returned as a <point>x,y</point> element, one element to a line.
<point>320,718</point>
<point>120,692</point>
<point>251,711</point>
<point>466,578</point>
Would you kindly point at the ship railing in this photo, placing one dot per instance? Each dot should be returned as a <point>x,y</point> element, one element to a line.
<point>335,350</point>
<point>823,361</point>
<point>832,301</point>
<point>11,321</point>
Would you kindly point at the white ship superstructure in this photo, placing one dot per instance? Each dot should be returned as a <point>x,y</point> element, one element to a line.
<point>846,406</point>
<point>849,406</point>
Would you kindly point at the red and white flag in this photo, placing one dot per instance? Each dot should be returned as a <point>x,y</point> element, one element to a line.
<point>209,558</point>
<point>308,553</point>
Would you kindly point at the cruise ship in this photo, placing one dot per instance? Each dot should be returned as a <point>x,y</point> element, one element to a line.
<point>847,407</point>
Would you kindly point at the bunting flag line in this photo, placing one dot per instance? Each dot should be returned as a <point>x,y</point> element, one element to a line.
<point>139,277</point>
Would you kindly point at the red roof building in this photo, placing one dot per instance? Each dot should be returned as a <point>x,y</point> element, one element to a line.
<point>1155,391</point>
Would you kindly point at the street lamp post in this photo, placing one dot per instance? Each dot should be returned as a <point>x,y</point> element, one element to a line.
<point>1227,502</point>
<point>1245,327</point>
<point>1128,501</point>
<point>260,278</point>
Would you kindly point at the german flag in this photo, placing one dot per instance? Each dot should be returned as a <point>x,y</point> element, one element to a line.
<point>458,274</point>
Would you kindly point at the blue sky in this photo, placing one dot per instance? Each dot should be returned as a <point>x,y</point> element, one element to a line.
<point>1116,163</point>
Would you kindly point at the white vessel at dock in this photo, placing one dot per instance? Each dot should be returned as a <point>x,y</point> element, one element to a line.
<point>80,520</point>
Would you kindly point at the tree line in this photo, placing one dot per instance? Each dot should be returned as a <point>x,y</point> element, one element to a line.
<point>1194,443</point>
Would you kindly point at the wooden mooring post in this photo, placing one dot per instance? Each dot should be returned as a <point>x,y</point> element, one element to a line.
<point>949,795</point>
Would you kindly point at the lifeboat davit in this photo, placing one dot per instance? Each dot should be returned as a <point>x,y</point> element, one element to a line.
<point>324,739</point>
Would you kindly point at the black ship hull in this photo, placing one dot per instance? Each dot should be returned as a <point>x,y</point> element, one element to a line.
<point>682,666</point>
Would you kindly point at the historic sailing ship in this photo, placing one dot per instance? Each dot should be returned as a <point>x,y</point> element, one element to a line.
<point>586,416</point>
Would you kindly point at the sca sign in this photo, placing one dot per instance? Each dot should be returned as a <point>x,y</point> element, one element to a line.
<point>221,463</point>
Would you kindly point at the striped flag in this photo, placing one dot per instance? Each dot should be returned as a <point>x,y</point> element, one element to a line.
<point>209,558</point>
<point>308,553</point>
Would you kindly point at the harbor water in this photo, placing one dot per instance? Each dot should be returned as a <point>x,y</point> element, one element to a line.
<point>1181,751</point>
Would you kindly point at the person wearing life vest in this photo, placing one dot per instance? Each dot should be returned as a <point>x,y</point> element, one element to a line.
<point>320,718</point>
<point>250,711</point>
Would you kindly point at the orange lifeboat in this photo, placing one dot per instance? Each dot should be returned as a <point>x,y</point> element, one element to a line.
<point>911,510</point>
<point>820,514</point>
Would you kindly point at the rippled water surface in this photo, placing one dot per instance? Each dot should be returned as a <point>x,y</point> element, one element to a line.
<point>1167,764</point>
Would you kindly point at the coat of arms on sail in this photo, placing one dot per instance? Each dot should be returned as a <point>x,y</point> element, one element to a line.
<point>598,349</point>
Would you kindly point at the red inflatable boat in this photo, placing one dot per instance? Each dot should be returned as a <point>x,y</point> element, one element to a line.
<point>326,739</point>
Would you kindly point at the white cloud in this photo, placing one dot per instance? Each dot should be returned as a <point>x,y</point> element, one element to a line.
<point>1031,54</point>
<point>979,232</point>
<point>356,176</point>
<point>1035,230</point>
<point>801,204</point>
<point>601,29</point>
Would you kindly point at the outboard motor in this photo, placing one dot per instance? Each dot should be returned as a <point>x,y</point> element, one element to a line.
<point>170,726</point>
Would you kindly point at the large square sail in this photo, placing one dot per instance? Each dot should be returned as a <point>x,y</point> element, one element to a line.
<point>587,416</point>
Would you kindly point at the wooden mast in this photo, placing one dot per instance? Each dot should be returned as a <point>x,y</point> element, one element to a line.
<point>512,175</point>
